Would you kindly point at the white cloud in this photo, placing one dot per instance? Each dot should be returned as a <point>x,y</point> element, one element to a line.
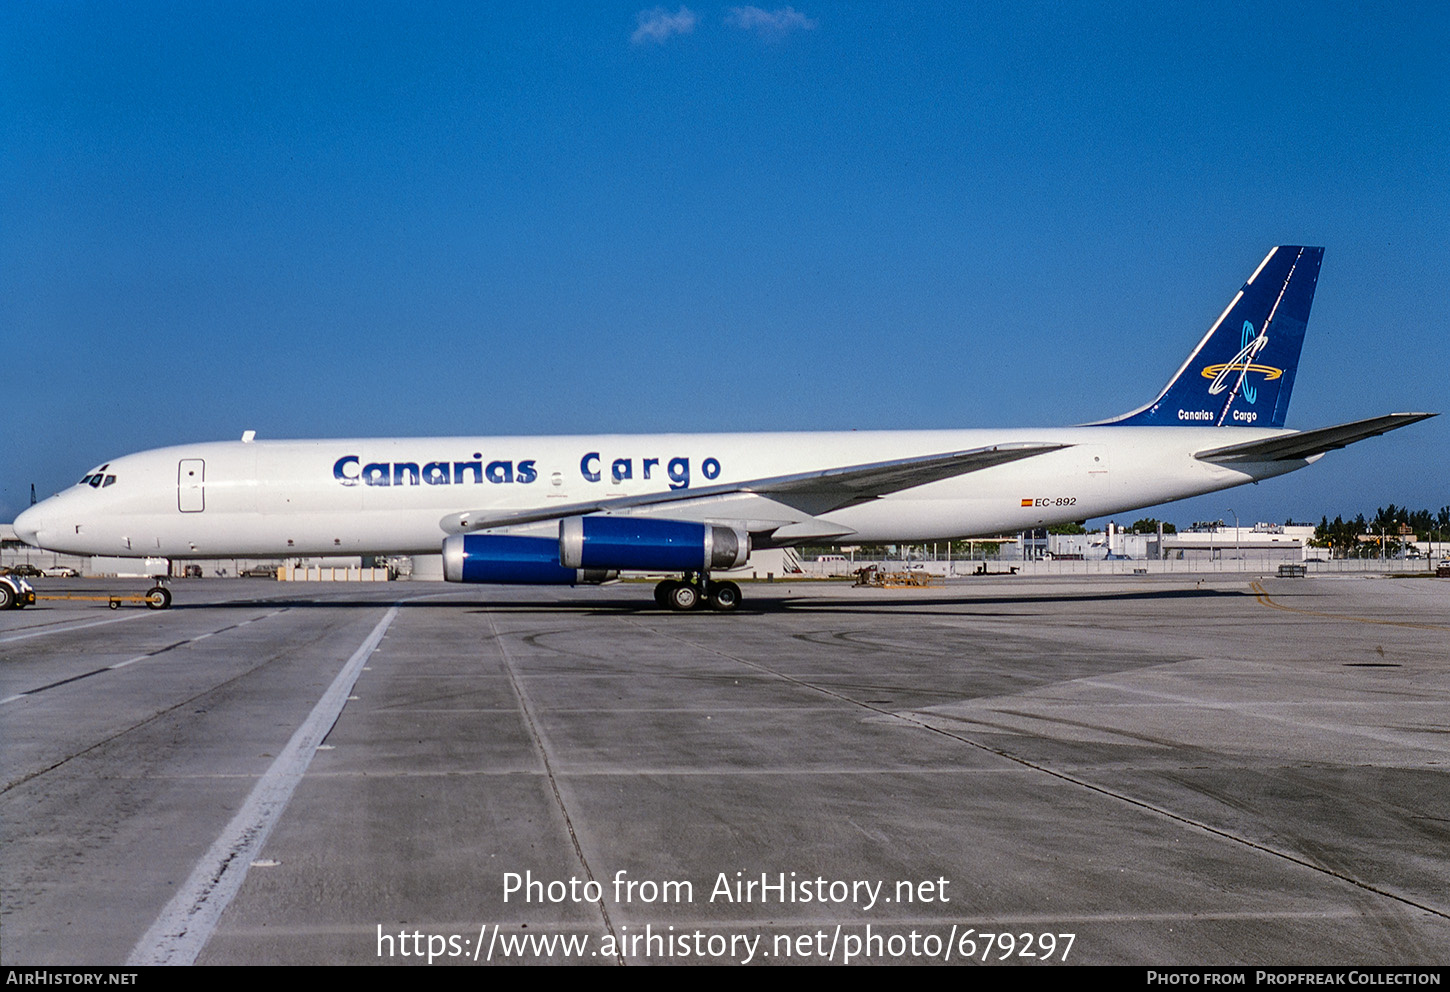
<point>658,24</point>
<point>769,24</point>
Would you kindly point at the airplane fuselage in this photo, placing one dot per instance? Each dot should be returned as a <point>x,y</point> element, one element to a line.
<point>394,495</point>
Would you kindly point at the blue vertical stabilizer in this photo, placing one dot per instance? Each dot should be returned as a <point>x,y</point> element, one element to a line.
<point>1242,372</point>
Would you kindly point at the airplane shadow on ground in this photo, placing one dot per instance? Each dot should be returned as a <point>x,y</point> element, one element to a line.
<point>642,603</point>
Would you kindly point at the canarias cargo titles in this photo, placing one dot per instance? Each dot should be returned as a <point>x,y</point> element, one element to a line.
<point>350,470</point>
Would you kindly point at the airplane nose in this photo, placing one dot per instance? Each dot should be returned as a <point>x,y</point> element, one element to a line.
<point>27,526</point>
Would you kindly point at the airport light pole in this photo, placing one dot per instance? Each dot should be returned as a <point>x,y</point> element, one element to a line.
<point>1237,553</point>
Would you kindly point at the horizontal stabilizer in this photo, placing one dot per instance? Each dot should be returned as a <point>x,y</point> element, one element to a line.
<point>1307,444</point>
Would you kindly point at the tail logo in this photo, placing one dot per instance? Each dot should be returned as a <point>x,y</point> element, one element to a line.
<point>1241,365</point>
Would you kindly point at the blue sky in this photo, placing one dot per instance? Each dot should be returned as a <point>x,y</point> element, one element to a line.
<point>344,219</point>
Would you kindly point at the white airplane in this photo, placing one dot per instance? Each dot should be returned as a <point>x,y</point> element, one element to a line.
<point>567,510</point>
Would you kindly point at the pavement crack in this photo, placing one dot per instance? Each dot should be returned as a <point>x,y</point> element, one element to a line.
<point>542,747</point>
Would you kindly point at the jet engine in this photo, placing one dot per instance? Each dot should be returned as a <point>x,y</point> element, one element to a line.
<point>513,560</point>
<point>650,545</point>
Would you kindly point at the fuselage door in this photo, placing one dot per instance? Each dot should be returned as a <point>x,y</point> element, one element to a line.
<point>190,492</point>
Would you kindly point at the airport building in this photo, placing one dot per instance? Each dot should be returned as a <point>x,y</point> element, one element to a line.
<point>1263,542</point>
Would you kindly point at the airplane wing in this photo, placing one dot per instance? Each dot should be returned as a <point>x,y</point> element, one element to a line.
<point>1306,444</point>
<point>810,493</point>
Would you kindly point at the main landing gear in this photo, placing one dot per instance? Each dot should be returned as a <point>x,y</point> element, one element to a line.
<point>697,591</point>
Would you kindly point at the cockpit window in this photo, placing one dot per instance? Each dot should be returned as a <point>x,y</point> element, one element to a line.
<point>98,479</point>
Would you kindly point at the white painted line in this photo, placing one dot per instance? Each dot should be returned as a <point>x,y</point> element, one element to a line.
<point>66,630</point>
<point>130,661</point>
<point>187,922</point>
<point>139,657</point>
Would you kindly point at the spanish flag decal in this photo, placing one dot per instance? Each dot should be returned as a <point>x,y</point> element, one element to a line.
<point>1027,502</point>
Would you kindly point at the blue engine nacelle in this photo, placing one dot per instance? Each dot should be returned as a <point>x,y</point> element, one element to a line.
<point>649,545</point>
<point>511,560</point>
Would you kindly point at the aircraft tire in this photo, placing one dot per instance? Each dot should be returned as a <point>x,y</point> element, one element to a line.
<point>158,598</point>
<point>684,597</point>
<point>724,596</point>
